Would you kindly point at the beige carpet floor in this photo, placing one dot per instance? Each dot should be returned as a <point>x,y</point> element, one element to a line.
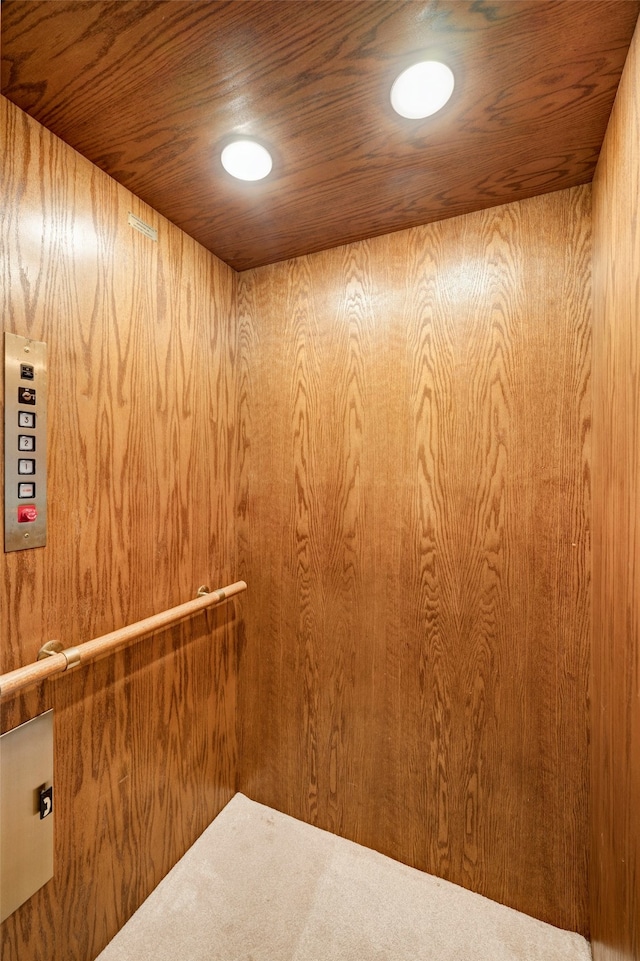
<point>261,886</point>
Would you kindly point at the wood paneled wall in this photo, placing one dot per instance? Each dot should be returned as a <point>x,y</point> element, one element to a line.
<point>615,874</point>
<point>414,526</point>
<point>142,465</point>
<point>413,521</point>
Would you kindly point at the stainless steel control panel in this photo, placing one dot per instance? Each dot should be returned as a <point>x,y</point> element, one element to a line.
<point>25,443</point>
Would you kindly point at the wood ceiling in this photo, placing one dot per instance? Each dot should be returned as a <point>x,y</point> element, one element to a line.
<point>151,91</point>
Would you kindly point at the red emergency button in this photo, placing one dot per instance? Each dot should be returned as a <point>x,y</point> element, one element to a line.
<point>27,513</point>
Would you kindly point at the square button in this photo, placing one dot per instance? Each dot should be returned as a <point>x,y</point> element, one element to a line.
<point>26,442</point>
<point>27,418</point>
<point>27,489</point>
<point>26,465</point>
<point>27,514</point>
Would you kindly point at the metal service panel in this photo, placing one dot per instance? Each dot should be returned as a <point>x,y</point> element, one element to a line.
<point>25,443</point>
<point>26,811</point>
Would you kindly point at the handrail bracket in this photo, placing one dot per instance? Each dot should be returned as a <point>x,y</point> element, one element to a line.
<point>49,649</point>
<point>70,654</point>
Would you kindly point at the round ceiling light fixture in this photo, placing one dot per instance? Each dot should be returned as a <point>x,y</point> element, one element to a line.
<point>422,89</point>
<point>246,160</point>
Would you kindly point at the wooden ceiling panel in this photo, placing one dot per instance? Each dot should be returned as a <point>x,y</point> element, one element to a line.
<point>151,92</point>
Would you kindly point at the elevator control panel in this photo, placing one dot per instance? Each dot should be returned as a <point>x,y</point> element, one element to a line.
<point>25,443</point>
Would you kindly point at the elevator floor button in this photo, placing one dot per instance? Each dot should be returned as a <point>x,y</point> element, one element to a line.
<point>27,418</point>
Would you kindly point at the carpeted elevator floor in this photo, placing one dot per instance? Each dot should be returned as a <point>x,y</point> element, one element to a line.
<point>261,886</point>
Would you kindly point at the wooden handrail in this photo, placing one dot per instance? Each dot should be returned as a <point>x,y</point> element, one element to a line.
<point>53,659</point>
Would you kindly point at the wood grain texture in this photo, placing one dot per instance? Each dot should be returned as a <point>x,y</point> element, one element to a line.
<point>152,91</point>
<point>615,801</point>
<point>414,527</point>
<point>142,464</point>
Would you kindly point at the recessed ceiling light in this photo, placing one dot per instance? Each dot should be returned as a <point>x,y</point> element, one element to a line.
<point>422,89</point>
<point>246,160</point>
